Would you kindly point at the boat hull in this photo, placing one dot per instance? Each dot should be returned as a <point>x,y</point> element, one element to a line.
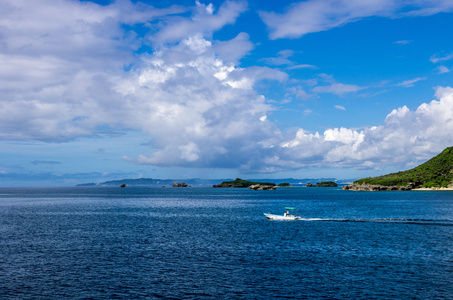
<point>280,217</point>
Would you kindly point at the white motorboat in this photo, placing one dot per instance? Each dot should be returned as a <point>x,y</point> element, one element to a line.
<point>290,214</point>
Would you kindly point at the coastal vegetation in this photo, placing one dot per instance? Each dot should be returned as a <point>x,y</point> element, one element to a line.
<point>323,184</point>
<point>436,172</point>
<point>326,184</point>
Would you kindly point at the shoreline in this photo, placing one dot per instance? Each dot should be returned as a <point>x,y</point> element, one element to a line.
<point>383,188</point>
<point>433,189</point>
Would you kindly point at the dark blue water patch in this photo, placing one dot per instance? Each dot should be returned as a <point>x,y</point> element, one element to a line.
<point>196,243</point>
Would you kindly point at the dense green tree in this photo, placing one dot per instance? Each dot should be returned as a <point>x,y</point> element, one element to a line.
<point>436,172</point>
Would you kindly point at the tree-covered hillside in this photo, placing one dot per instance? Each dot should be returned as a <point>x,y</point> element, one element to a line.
<point>436,172</point>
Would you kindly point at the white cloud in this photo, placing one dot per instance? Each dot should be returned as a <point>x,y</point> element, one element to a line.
<point>337,88</point>
<point>340,107</point>
<point>59,64</point>
<point>443,69</point>
<point>411,82</point>
<point>63,76</point>
<point>203,21</point>
<point>189,152</point>
<point>303,95</point>
<point>281,59</point>
<point>235,49</point>
<point>435,58</point>
<point>343,135</point>
<point>245,78</point>
<point>199,111</point>
<point>307,112</point>
<point>197,44</point>
<point>320,15</point>
<point>126,158</point>
<point>302,66</point>
<point>404,137</point>
<point>403,42</point>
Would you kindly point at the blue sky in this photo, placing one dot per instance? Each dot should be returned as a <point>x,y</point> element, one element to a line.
<point>98,90</point>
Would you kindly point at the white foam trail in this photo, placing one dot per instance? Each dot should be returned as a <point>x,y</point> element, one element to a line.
<point>402,221</point>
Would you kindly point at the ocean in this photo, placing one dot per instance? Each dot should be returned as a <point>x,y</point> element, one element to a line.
<point>206,243</point>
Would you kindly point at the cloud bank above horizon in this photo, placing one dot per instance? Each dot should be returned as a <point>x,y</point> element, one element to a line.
<point>73,70</point>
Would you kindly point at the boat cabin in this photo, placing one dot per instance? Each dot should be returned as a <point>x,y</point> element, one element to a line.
<point>290,212</point>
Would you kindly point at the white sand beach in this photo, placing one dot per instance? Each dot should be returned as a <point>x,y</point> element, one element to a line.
<point>434,189</point>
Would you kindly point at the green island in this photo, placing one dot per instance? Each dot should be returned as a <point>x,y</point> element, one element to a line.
<point>323,184</point>
<point>326,184</point>
<point>435,173</point>
<point>240,183</point>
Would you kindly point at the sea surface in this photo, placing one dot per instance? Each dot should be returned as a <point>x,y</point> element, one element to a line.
<point>206,243</point>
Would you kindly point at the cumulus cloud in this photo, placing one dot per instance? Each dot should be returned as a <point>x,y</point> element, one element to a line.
<point>320,15</point>
<point>63,65</point>
<point>404,135</point>
<point>209,106</point>
<point>70,69</point>
<point>63,76</point>
<point>58,65</point>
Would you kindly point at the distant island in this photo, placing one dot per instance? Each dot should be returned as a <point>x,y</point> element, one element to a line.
<point>132,182</point>
<point>198,182</point>
<point>240,183</point>
<point>323,184</point>
<point>436,173</point>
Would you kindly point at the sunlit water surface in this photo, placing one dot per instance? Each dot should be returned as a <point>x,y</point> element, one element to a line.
<point>197,243</point>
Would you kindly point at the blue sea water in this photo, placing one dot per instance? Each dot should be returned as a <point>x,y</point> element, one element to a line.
<point>205,243</point>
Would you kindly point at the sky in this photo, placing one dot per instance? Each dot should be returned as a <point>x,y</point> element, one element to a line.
<point>92,91</point>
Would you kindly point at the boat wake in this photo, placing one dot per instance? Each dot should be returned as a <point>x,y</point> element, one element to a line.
<point>401,221</point>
